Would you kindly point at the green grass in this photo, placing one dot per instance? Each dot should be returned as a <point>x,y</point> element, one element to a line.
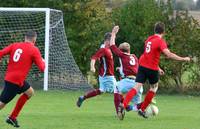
<point>57,110</point>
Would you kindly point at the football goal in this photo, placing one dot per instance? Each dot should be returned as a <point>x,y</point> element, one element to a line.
<point>61,70</point>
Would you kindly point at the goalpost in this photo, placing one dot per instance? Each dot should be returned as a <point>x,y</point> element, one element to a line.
<point>61,70</point>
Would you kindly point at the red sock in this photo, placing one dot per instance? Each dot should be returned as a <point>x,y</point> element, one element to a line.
<point>92,93</point>
<point>117,100</point>
<point>129,97</point>
<point>148,98</point>
<point>19,105</point>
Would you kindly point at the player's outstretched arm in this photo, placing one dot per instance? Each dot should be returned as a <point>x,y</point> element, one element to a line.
<point>114,48</point>
<point>174,56</point>
<point>113,35</point>
<point>116,51</point>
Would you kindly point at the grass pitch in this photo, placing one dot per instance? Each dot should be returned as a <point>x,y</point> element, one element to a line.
<point>57,110</point>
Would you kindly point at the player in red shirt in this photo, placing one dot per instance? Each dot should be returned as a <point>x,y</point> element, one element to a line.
<point>21,57</point>
<point>106,71</point>
<point>149,66</point>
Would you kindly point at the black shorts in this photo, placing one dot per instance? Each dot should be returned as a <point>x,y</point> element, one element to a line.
<point>11,90</point>
<point>145,73</point>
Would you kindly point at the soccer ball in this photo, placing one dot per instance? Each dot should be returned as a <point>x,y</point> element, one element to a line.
<point>152,110</point>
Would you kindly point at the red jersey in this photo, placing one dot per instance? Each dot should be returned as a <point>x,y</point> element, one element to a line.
<point>154,45</point>
<point>106,61</point>
<point>22,55</point>
<point>128,62</point>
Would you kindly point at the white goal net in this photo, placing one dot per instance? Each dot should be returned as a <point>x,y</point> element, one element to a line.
<point>62,71</point>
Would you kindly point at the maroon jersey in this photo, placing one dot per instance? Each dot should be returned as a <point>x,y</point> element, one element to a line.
<point>22,55</point>
<point>128,62</point>
<point>106,61</point>
<point>154,45</point>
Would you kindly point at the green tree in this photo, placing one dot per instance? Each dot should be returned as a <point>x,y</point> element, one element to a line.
<point>86,24</point>
<point>183,39</point>
<point>136,20</point>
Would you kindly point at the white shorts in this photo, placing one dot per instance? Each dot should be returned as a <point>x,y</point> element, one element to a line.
<point>107,84</point>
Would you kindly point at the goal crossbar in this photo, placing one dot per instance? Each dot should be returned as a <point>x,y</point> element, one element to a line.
<point>28,9</point>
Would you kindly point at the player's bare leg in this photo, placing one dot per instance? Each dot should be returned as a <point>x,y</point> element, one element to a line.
<point>29,92</point>
<point>148,98</point>
<point>12,119</point>
<point>2,105</point>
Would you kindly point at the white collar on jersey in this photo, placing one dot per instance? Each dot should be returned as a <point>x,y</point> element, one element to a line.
<point>127,53</point>
<point>102,46</point>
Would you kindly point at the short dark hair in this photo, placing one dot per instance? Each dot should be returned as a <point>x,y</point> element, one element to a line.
<point>107,36</point>
<point>159,28</point>
<point>30,34</point>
